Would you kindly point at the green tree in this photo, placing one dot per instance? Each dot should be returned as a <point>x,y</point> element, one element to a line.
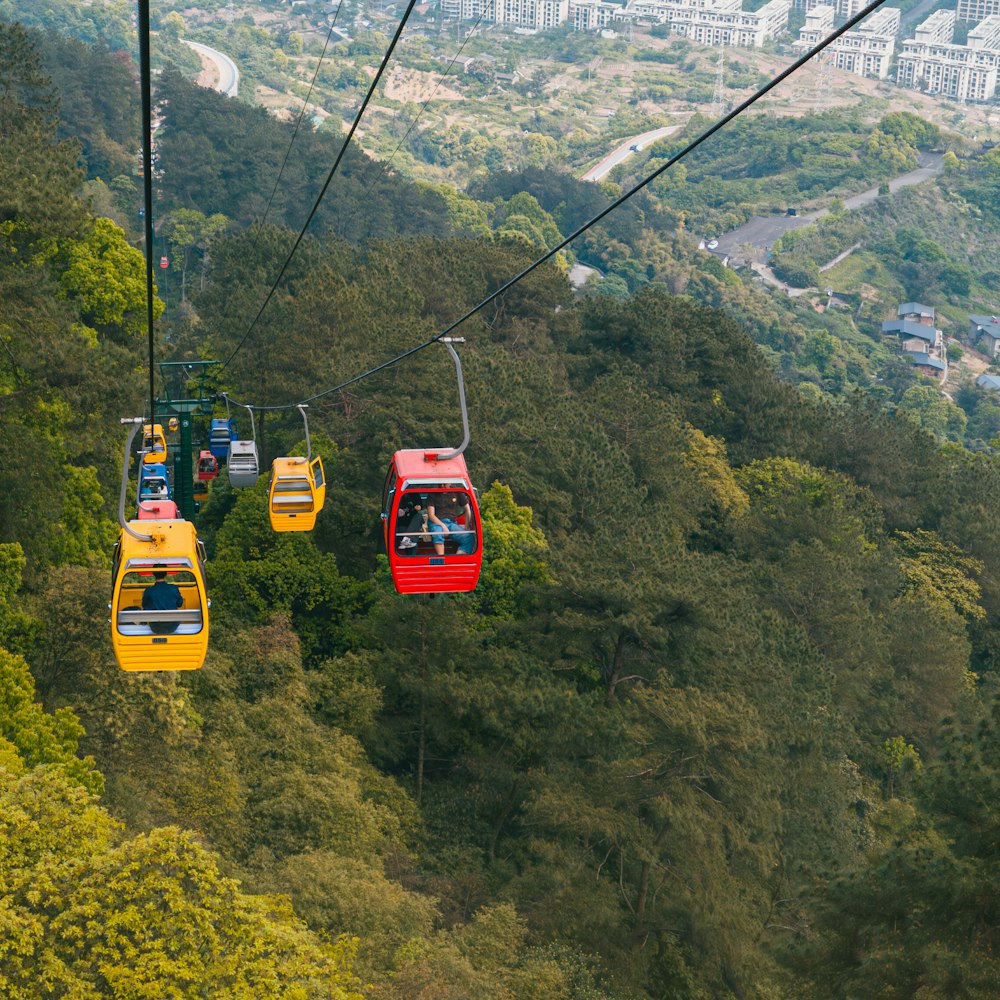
<point>172,25</point>
<point>41,739</point>
<point>187,230</point>
<point>106,277</point>
<point>925,405</point>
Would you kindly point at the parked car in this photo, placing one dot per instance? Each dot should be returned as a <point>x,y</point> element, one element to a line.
<point>712,244</point>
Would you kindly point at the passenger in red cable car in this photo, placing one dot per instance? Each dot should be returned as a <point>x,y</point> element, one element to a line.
<point>411,527</point>
<point>208,467</point>
<point>448,514</point>
<point>431,519</point>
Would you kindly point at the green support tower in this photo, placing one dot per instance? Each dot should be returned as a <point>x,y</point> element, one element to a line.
<point>180,378</point>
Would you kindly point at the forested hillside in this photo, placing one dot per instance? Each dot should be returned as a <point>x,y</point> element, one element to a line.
<point>718,722</point>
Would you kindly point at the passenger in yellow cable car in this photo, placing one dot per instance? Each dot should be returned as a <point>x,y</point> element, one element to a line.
<point>162,596</point>
<point>159,606</point>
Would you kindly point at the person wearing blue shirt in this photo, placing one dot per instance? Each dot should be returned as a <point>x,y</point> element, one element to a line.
<point>162,596</point>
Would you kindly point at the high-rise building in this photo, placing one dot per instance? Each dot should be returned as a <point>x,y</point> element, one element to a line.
<point>865,51</point>
<point>593,15</point>
<point>974,11</point>
<point>932,63</point>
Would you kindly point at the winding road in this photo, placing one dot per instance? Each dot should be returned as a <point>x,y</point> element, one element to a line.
<point>229,75</point>
<point>762,232</point>
<point>634,145</point>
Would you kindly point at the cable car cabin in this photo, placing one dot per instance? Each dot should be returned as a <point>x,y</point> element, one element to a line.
<point>159,607</point>
<point>153,482</point>
<point>199,491</point>
<point>243,467</point>
<point>208,467</point>
<point>430,516</point>
<point>221,433</point>
<point>157,510</point>
<point>154,444</point>
<point>296,493</point>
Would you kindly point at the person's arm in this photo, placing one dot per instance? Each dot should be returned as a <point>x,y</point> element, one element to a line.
<point>432,516</point>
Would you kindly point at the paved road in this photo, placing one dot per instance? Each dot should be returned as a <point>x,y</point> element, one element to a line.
<point>624,151</point>
<point>762,232</point>
<point>579,273</point>
<point>229,75</point>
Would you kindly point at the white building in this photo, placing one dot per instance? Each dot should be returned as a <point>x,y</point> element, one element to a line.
<point>532,13</point>
<point>932,63</point>
<point>865,51</point>
<point>712,22</point>
<point>938,29</point>
<point>724,22</point>
<point>517,13</point>
<point>470,10</point>
<point>593,15</point>
<point>707,22</point>
<point>974,11</point>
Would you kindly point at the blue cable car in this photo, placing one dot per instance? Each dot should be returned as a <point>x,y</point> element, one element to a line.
<point>154,483</point>
<point>222,432</point>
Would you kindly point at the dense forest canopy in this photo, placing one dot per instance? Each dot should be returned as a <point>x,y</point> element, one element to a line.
<point>719,720</point>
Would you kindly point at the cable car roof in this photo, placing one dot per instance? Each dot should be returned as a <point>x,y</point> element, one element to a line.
<point>423,463</point>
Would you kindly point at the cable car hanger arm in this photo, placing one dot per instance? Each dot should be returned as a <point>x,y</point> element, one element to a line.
<point>136,423</point>
<point>448,341</point>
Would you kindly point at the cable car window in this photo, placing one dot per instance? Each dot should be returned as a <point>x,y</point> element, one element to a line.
<point>317,468</point>
<point>293,494</point>
<point>436,522</point>
<point>138,615</point>
<point>144,578</point>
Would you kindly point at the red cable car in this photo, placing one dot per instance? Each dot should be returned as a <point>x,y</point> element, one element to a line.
<point>208,467</point>
<point>430,516</point>
<point>157,510</point>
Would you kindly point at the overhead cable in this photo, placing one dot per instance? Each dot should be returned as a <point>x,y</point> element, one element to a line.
<point>549,254</point>
<point>423,107</point>
<point>329,179</point>
<point>295,131</point>
<point>145,77</point>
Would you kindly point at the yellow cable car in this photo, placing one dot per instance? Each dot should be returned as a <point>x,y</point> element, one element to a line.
<point>159,608</point>
<point>154,444</point>
<point>296,493</point>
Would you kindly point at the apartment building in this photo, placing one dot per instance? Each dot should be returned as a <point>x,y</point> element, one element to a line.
<point>594,15</point>
<point>932,63</point>
<point>532,13</point>
<point>974,11</point>
<point>517,13</point>
<point>724,22</point>
<point>865,51</point>
<point>470,10</point>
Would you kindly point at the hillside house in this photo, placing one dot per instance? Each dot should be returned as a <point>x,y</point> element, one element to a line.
<point>915,312</point>
<point>985,330</point>
<point>922,343</point>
